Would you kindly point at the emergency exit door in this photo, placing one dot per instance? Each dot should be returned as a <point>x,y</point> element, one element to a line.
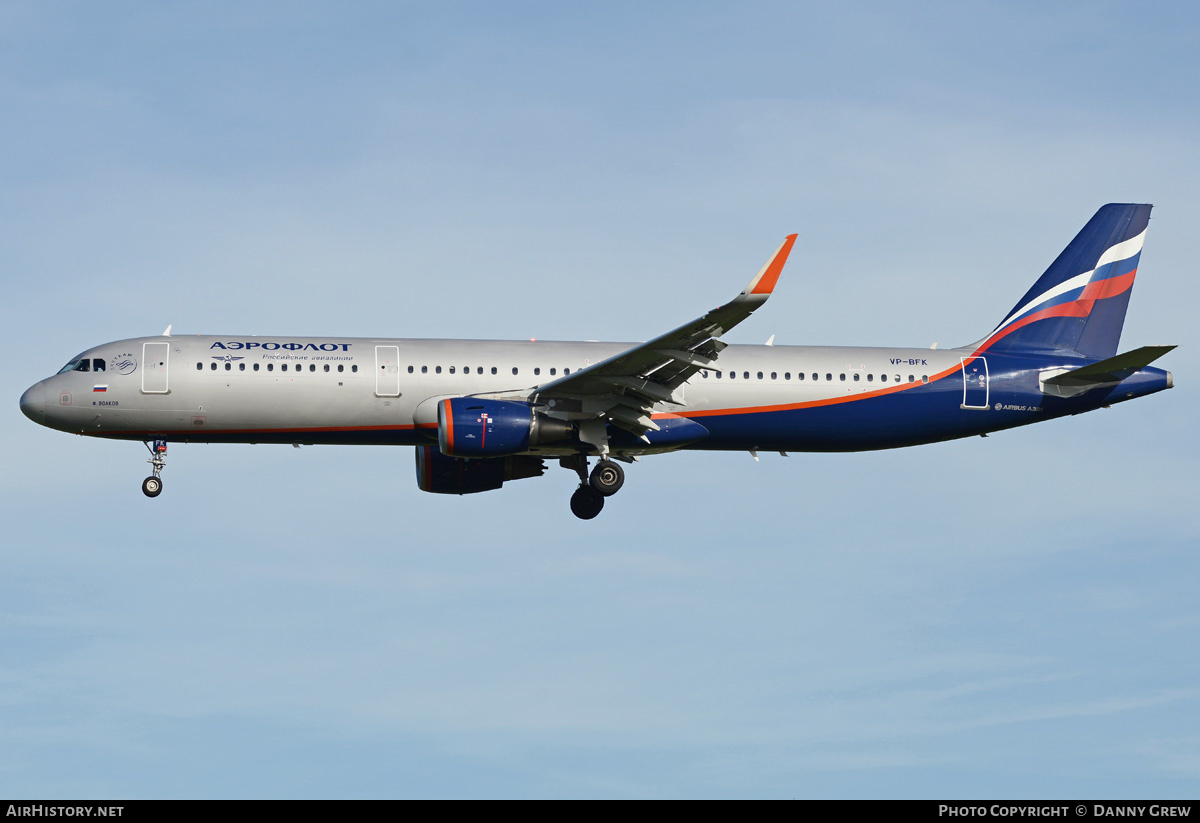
<point>387,371</point>
<point>975,383</point>
<point>154,367</point>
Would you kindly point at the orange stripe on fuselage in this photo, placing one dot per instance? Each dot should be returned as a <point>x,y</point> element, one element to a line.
<point>812,404</point>
<point>296,430</point>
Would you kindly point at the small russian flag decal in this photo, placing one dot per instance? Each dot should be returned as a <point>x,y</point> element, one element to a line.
<point>101,387</point>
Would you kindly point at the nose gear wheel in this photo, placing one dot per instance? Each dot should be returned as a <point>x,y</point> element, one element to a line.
<point>152,485</point>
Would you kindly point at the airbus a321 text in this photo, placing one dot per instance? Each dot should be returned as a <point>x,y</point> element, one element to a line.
<point>484,412</point>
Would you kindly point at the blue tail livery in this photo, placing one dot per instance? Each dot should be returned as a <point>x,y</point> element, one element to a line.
<point>1078,306</point>
<point>482,413</point>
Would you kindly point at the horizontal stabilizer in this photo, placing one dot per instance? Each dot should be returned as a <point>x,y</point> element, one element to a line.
<point>1112,370</point>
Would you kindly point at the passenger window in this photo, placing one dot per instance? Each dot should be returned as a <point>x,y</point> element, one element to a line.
<point>493,369</point>
<point>341,368</point>
<point>199,367</point>
<point>870,378</point>
<point>214,367</point>
<point>452,370</point>
<point>829,376</point>
<point>817,377</point>
<point>856,376</point>
<point>883,378</point>
<point>97,364</point>
<point>553,372</point>
<point>283,366</point>
<point>241,366</point>
<point>896,377</point>
<point>313,367</point>
<point>843,377</point>
<point>354,368</point>
<point>912,379</point>
<point>566,371</point>
<point>228,367</point>
<point>424,370</point>
<point>270,367</point>
<point>799,375</point>
<point>703,374</point>
<point>514,371</point>
<point>537,371</point>
<point>924,378</point>
<point>326,367</point>
<point>732,375</point>
<point>256,367</point>
<point>410,369</point>
<point>746,375</point>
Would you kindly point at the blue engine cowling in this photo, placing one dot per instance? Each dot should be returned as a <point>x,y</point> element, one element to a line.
<point>440,474</point>
<point>475,427</point>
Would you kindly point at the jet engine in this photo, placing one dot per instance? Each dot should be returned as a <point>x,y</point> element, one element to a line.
<point>475,427</point>
<point>440,474</point>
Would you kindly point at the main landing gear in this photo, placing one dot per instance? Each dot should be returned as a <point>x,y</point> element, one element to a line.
<point>152,485</point>
<point>605,480</point>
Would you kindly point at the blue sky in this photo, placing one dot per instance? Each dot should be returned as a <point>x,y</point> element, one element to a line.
<point>1005,617</point>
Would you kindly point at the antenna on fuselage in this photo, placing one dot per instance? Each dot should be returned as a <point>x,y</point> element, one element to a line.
<point>167,331</point>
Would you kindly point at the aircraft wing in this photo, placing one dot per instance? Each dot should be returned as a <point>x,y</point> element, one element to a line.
<point>624,388</point>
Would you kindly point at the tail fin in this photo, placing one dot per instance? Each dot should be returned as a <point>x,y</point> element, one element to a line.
<point>1079,304</point>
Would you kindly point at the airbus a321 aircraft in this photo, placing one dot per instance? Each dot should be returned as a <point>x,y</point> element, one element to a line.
<point>484,412</point>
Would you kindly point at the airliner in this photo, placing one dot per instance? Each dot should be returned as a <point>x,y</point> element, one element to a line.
<point>485,412</point>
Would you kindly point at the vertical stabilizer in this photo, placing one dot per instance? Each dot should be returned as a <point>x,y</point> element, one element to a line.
<point>1079,304</point>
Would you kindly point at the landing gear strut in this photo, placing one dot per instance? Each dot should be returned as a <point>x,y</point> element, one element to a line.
<point>152,485</point>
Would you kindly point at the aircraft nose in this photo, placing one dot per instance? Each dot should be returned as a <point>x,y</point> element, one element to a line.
<point>33,403</point>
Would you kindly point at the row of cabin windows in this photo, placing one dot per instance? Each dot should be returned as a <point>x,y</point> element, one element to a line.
<point>856,376</point>
<point>479,370</point>
<point>787,375</point>
<point>312,367</point>
<point>98,365</point>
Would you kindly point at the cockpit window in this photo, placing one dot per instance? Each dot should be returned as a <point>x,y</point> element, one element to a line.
<point>82,364</point>
<point>97,364</point>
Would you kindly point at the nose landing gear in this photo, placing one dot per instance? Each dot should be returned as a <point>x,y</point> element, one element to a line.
<point>152,485</point>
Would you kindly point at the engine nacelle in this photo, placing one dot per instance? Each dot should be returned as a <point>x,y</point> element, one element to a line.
<point>440,474</point>
<point>475,427</point>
